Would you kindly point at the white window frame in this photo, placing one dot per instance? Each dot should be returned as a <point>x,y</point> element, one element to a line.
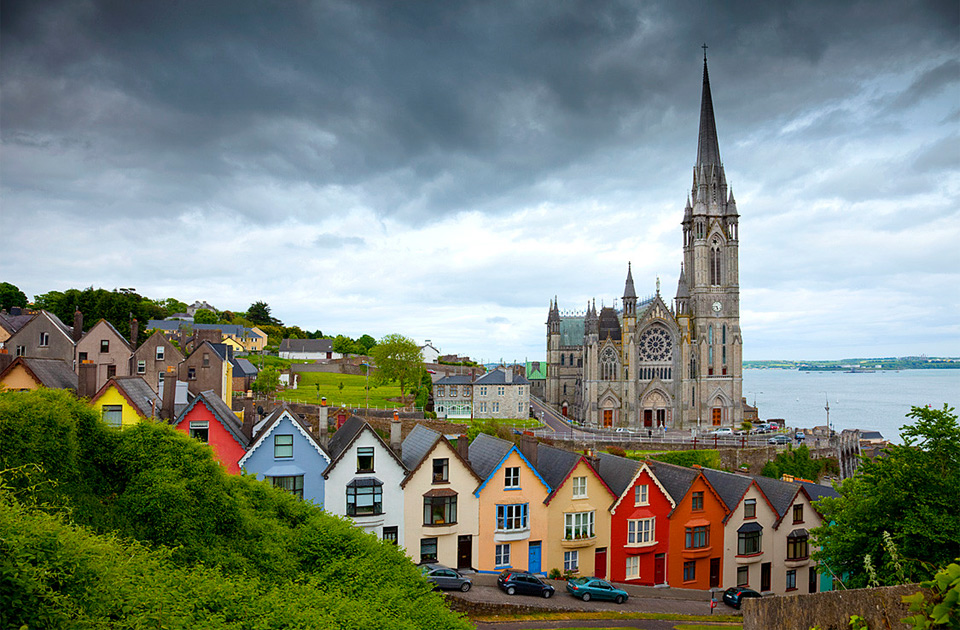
<point>641,495</point>
<point>641,531</point>
<point>571,560</point>
<point>501,556</point>
<point>501,390</point>
<point>161,352</point>
<point>141,367</point>
<point>632,567</point>
<point>579,487</point>
<point>513,517</point>
<point>579,522</point>
<point>496,408</point>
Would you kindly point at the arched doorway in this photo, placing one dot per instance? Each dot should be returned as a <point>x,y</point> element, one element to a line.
<point>655,410</point>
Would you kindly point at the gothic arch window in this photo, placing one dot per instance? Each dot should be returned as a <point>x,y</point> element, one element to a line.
<point>608,365</point>
<point>715,261</point>
<point>562,358</point>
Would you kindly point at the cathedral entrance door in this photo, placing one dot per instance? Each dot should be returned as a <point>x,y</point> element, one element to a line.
<point>564,410</point>
<point>608,417</point>
<point>661,417</point>
<point>648,417</point>
<point>716,416</point>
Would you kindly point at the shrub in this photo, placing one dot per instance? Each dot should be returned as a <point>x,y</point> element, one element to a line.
<point>616,450</point>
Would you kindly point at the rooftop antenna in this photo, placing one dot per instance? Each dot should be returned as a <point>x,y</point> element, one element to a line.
<point>826,408</point>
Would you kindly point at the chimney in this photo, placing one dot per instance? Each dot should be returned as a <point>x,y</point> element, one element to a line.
<point>86,379</point>
<point>134,332</point>
<point>15,310</point>
<point>463,446</point>
<point>508,375</point>
<point>249,417</point>
<point>169,394</point>
<point>396,432</point>
<point>77,325</point>
<point>529,446</point>
<point>323,423</point>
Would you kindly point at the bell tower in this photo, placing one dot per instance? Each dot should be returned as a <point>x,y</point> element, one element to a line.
<point>709,293</point>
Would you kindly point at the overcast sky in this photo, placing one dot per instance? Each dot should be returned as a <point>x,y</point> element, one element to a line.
<point>443,169</point>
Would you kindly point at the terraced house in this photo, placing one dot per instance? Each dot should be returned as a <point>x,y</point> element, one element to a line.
<point>513,515</point>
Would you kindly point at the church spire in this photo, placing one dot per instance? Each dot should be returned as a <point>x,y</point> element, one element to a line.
<point>628,290</point>
<point>708,149</point>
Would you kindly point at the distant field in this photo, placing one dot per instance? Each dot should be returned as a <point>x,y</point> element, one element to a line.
<point>352,394</point>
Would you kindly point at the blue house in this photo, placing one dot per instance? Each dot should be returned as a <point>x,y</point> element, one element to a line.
<point>286,454</point>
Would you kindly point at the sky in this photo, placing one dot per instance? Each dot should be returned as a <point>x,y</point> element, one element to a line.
<point>444,169</point>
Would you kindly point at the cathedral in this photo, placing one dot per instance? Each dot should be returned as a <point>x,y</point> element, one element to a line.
<point>650,363</point>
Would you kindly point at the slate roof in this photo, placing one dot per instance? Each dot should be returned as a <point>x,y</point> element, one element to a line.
<point>554,464</point>
<point>52,373</point>
<point>779,493</point>
<point>243,367</point>
<point>306,345</point>
<point>871,435</point>
<point>265,426</point>
<point>676,480</point>
<point>617,472</point>
<point>730,486</point>
<point>139,393</point>
<point>499,377</point>
<point>458,379</point>
<point>169,324</point>
<point>346,435</point>
<point>13,323</point>
<point>486,452</point>
<point>417,444</point>
<point>818,491</point>
<point>221,412</point>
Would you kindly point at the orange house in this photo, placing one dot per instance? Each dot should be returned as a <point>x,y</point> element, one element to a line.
<point>695,556</point>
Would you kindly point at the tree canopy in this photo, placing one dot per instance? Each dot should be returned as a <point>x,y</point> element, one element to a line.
<point>399,359</point>
<point>205,316</point>
<point>911,492</point>
<point>259,314</point>
<point>11,295</point>
<point>797,462</point>
<point>140,527</point>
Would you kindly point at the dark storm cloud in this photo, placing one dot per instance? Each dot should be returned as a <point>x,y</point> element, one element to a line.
<point>423,108</point>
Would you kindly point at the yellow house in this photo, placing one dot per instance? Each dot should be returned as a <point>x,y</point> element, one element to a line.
<point>578,511</point>
<point>125,400</point>
<point>27,373</point>
<point>233,343</point>
<point>512,514</point>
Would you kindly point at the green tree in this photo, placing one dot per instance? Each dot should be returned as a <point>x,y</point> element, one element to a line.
<point>365,343</point>
<point>268,379</point>
<point>11,295</point>
<point>344,345</point>
<point>911,491</point>
<point>259,314</point>
<point>399,359</point>
<point>797,462</point>
<point>205,316</point>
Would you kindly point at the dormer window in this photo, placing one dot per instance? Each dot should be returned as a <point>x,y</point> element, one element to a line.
<point>365,459</point>
<point>441,470</point>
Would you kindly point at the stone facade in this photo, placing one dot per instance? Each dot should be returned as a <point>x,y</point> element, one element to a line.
<point>649,363</point>
<point>500,394</point>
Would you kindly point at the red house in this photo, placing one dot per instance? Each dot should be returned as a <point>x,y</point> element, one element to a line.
<point>639,525</point>
<point>210,420</point>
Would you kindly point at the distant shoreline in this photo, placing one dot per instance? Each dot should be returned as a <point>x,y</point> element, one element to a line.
<point>860,365</point>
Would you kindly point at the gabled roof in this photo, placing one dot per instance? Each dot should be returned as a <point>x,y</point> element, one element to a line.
<point>13,323</point>
<point>346,435</point>
<point>112,329</point>
<point>641,468</point>
<point>816,491</point>
<point>135,391</point>
<point>52,373</point>
<point>306,345</point>
<point>617,472</point>
<point>218,348</point>
<point>223,414</point>
<point>675,479</point>
<point>273,421</point>
<point>417,450</point>
<point>498,377</point>
<point>557,464</point>
<point>243,367</point>
<point>487,453</point>
<point>416,445</point>
<point>780,494</point>
<point>730,487</point>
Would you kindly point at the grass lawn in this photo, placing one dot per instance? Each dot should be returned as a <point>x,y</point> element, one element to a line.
<point>352,395</point>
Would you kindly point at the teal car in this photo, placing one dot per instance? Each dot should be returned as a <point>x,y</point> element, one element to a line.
<point>587,588</point>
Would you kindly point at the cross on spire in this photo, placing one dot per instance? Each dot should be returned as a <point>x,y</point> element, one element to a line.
<point>704,51</point>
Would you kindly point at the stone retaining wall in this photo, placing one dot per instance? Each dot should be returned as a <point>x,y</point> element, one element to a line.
<point>881,607</point>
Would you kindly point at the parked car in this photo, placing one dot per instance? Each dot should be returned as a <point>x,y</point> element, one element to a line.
<point>623,430</point>
<point>587,588</point>
<point>800,436</point>
<point>446,578</point>
<point>735,595</point>
<point>779,439</point>
<point>524,582</point>
<point>721,432</point>
<point>773,426</point>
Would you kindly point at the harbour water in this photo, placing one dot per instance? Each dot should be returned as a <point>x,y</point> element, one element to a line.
<point>873,401</point>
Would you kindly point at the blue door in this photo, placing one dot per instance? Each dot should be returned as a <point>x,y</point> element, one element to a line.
<point>534,559</point>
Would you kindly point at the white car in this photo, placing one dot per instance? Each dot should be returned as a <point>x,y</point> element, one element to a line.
<point>722,432</point>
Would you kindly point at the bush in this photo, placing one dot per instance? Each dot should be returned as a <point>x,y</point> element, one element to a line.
<point>616,450</point>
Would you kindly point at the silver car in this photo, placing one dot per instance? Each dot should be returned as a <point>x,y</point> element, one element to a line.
<point>446,578</point>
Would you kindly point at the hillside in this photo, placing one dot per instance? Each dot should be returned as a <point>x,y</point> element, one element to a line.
<point>141,527</point>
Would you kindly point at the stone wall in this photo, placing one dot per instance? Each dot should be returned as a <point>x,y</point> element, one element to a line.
<point>881,607</point>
